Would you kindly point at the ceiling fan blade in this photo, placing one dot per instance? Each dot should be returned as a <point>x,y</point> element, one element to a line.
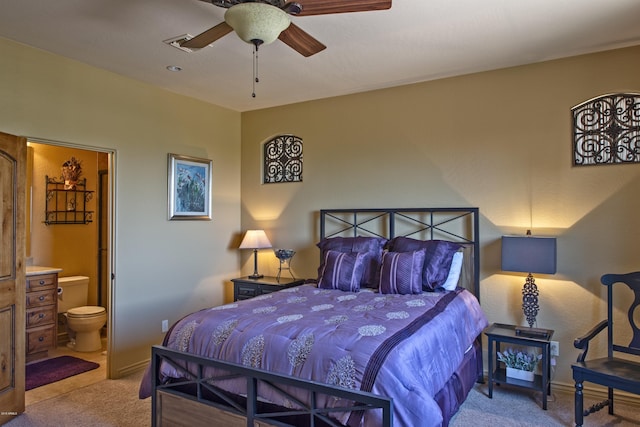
<point>208,37</point>
<point>301,41</point>
<point>323,7</point>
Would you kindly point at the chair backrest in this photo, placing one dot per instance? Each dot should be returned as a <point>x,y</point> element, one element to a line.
<point>632,280</point>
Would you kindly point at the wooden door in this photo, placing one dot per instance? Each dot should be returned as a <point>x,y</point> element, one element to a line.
<point>13,160</point>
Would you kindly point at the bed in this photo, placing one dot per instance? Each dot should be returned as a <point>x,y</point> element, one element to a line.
<point>388,334</point>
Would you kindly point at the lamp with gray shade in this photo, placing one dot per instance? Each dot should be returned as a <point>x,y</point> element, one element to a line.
<point>529,254</point>
<point>255,239</point>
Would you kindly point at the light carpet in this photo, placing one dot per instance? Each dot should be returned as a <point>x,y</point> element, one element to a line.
<point>511,407</point>
<point>108,403</point>
<point>115,403</point>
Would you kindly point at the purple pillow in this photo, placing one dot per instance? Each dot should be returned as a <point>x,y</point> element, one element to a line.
<point>401,272</point>
<point>437,262</point>
<point>370,247</point>
<point>342,271</point>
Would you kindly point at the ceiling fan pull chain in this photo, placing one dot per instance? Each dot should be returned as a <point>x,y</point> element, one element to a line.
<point>255,69</point>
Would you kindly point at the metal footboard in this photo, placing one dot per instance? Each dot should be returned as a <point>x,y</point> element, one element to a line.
<point>193,370</point>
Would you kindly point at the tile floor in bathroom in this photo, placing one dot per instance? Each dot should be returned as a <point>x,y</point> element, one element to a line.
<point>60,387</point>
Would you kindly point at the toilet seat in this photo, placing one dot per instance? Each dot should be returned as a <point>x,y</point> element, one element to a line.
<point>85,312</point>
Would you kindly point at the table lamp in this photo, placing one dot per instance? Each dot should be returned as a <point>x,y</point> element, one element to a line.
<point>255,239</point>
<point>529,254</point>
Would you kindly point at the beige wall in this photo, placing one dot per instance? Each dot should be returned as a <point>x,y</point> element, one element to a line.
<point>498,140</point>
<point>71,247</point>
<point>164,269</point>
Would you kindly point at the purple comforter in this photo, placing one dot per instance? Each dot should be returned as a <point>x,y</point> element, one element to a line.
<point>402,346</point>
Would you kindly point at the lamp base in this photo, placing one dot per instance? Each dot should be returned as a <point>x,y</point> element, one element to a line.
<point>255,274</point>
<point>529,332</point>
<point>530,304</point>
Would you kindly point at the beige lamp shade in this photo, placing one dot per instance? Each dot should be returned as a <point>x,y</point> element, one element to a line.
<point>255,239</point>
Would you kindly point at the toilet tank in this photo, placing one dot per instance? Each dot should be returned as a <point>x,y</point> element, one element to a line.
<point>73,291</point>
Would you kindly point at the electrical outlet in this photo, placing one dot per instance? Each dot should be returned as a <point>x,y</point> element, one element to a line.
<point>555,348</point>
<point>165,325</point>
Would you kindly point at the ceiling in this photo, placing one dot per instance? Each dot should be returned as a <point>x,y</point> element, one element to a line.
<point>414,41</point>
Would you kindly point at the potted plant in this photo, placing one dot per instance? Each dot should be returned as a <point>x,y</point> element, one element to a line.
<point>519,364</point>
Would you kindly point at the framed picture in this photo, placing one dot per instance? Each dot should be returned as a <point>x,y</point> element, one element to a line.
<point>189,187</point>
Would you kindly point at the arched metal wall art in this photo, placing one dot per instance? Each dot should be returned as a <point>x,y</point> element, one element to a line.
<point>606,130</point>
<point>283,159</point>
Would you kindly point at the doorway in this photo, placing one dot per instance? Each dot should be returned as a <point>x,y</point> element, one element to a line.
<point>84,248</point>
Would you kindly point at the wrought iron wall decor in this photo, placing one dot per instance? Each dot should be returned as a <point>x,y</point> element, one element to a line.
<point>606,130</point>
<point>283,159</point>
<point>65,205</point>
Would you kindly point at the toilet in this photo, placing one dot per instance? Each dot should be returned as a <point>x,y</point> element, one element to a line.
<point>82,319</point>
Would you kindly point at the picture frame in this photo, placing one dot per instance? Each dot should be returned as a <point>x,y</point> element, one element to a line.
<point>189,187</point>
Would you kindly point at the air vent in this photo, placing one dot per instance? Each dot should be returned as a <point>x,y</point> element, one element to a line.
<point>177,43</point>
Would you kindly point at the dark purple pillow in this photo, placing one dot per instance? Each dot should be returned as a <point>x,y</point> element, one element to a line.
<point>342,271</point>
<point>437,262</point>
<point>371,247</point>
<point>401,272</point>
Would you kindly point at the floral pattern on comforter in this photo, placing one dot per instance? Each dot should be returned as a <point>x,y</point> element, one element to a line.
<point>402,346</point>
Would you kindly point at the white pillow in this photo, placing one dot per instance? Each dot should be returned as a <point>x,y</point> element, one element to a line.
<point>454,272</point>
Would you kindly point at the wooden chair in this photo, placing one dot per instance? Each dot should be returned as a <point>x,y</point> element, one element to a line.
<point>611,372</point>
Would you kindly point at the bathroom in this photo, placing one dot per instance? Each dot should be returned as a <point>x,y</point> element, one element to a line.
<point>76,243</point>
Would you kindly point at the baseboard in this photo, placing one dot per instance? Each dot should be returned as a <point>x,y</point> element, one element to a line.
<point>597,393</point>
<point>132,369</point>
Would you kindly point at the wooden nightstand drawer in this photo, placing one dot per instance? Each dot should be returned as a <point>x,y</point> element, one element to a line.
<point>39,339</point>
<point>245,292</point>
<point>41,316</point>
<point>246,287</point>
<point>42,282</point>
<point>268,289</point>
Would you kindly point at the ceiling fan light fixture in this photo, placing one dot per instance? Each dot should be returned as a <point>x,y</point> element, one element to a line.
<point>257,22</point>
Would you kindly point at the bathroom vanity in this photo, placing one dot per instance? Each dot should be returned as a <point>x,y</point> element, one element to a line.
<point>42,311</point>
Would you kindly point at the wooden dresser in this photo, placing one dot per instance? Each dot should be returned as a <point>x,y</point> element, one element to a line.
<point>42,312</point>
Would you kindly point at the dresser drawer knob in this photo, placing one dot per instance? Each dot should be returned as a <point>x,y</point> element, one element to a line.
<point>41,297</point>
<point>40,339</point>
<point>42,282</point>
<point>41,315</point>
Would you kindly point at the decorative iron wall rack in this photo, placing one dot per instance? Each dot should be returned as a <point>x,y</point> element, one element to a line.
<point>67,206</point>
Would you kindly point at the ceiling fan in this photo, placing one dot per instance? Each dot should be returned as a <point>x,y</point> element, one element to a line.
<point>262,21</point>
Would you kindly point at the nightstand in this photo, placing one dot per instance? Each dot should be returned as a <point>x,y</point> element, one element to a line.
<point>245,287</point>
<point>500,333</point>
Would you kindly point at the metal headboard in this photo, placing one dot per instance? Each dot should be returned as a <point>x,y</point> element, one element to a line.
<point>460,225</point>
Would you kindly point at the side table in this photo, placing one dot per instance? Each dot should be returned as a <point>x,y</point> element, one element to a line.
<point>246,287</point>
<point>499,333</point>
